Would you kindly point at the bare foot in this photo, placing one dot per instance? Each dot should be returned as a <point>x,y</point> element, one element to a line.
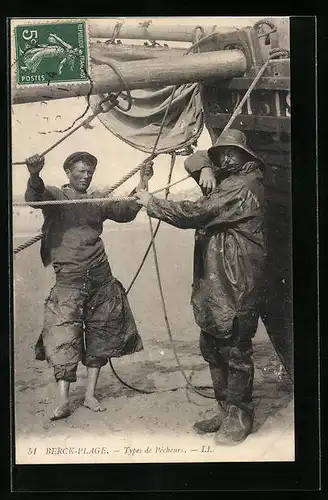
<point>93,404</point>
<point>62,411</point>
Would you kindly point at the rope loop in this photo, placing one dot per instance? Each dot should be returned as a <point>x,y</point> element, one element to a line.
<point>201,40</point>
<point>263,22</point>
<point>126,96</point>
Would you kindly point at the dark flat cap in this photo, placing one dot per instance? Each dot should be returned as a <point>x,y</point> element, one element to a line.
<point>80,155</point>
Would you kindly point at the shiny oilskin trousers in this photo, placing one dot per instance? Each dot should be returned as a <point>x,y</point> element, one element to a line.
<point>231,367</point>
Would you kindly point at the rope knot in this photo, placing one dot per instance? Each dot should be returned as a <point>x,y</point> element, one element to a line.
<point>277,53</point>
<point>106,104</point>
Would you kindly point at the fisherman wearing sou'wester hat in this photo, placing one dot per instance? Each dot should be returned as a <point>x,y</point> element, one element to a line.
<point>87,316</point>
<point>229,258</point>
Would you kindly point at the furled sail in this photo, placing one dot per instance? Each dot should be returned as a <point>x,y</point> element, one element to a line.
<point>139,126</point>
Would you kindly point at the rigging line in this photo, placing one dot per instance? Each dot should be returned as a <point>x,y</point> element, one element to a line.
<point>99,109</point>
<point>72,131</point>
<point>27,244</point>
<point>167,324</point>
<point>167,192</point>
<point>144,391</point>
<point>168,327</point>
<point>84,112</point>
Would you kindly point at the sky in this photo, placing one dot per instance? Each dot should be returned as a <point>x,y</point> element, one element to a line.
<point>33,127</point>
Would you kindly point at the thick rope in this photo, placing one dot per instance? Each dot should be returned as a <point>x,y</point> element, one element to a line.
<point>38,237</point>
<point>27,244</point>
<point>93,200</point>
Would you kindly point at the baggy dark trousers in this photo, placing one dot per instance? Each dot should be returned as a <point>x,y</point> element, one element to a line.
<point>87,318</point>
<point>231,367</point>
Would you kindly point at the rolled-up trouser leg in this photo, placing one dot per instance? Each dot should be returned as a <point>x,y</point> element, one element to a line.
<point>62,332</point>
<point>110,328</point>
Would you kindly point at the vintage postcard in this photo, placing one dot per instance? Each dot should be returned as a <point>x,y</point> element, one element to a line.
<point>152,254</point>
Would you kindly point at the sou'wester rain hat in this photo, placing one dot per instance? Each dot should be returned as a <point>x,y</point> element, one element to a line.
<point>235,138</point>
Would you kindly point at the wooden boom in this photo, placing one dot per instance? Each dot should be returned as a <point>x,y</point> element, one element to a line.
<point>105,28</point>
<point>157,72</point>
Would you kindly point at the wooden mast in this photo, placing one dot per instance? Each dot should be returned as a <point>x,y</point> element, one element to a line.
<point>146,30</point>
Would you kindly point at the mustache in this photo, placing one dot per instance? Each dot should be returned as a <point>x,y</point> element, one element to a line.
<point>226,168</point>
<point>228,164</point>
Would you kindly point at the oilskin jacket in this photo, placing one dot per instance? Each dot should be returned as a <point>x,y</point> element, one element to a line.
<point>229,251</point>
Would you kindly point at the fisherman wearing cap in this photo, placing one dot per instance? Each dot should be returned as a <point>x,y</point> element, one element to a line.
<point>228,265</point>
<point>87,316</point>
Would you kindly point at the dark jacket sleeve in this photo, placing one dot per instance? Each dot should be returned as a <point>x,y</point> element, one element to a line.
<point>41,192</point>
<point>223,206</point>
<point>120,211</point>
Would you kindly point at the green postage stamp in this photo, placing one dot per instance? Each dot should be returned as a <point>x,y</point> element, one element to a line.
<point>51,53</point>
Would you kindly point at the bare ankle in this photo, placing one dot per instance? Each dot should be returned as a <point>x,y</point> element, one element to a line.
<point>89,395</point>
